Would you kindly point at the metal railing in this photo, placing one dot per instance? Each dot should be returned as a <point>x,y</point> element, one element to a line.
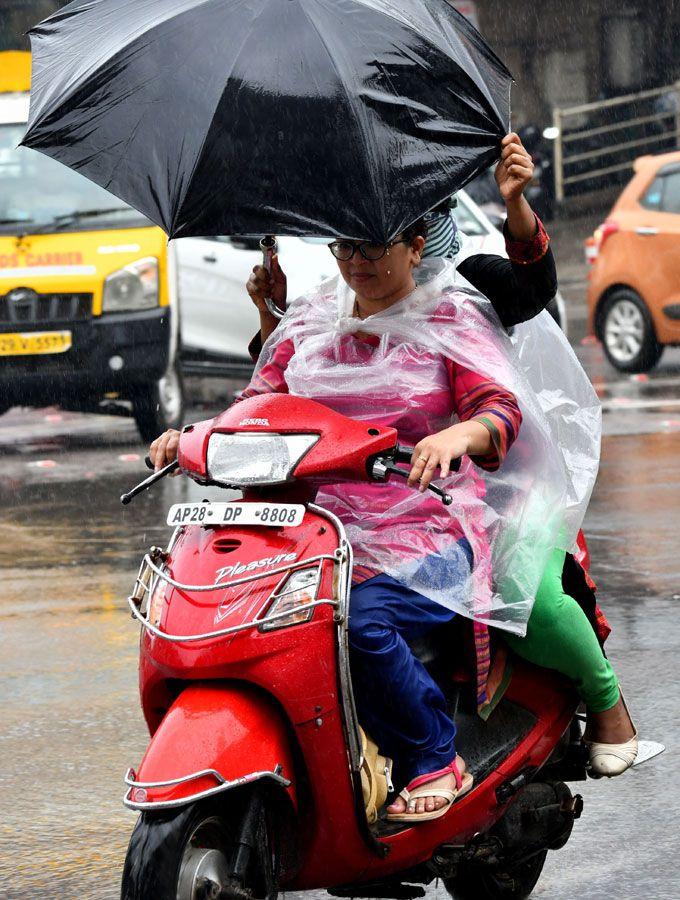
<point>598,142</point>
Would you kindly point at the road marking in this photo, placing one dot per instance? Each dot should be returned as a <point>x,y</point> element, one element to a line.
<point>665,381</point>
<point>619,404</point>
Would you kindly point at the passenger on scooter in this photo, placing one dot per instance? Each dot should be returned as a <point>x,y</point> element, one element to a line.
<point>386,612</point>
<point>559,634</point>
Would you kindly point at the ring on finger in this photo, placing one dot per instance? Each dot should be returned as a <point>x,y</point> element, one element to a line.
<point>423,457</point>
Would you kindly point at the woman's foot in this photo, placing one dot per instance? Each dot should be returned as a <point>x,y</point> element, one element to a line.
<point>423,797</point>
<point>613,726</point>
<point>612,741</point>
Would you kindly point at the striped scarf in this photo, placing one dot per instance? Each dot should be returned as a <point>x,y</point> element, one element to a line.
<point>443,237</point>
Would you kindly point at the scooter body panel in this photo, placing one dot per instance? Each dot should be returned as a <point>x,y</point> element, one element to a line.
<point>254,699</point>
<point>296,665</point>
<point>215,736</point>
<point>544,704</point>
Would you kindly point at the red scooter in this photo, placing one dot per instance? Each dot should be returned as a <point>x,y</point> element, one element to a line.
<point>251,783</point>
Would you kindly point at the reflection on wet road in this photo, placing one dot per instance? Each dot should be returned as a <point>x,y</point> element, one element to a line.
<point>71,723</point>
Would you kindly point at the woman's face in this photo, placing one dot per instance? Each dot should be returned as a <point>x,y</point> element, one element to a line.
<point>384,278</point>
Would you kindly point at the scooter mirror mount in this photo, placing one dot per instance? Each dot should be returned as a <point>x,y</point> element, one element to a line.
<point>148,482</point>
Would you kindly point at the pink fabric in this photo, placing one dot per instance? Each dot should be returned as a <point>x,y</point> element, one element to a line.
<point>452,389</point>
<point>452,769</point>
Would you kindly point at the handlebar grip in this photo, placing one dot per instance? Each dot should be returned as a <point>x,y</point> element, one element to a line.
<point>148,463</point>
<point>404,454</point>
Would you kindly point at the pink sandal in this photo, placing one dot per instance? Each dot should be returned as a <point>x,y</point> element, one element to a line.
<point>411,794</point>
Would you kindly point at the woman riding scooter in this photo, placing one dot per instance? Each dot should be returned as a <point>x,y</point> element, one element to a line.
<point>386,611</point>
<point>559,634</point>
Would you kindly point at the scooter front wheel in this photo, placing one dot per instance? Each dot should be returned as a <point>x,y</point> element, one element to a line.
<point>187,854</point>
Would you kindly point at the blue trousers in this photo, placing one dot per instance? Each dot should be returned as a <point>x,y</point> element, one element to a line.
<point>398,702</point>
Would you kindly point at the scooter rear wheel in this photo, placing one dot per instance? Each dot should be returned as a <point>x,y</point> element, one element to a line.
<point>477,883</point>
<point>186,854</point>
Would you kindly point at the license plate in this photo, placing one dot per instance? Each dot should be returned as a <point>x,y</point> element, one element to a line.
<point>33,343</point>
<point>275,514</point>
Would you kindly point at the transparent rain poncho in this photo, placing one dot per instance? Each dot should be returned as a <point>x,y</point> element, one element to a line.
<point>514,517</point>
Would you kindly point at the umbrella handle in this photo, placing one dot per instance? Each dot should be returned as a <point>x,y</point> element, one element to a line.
<point>269,247</point>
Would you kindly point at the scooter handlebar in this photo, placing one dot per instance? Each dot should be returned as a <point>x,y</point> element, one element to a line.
<point>404,454</point>
<point>400,454</point>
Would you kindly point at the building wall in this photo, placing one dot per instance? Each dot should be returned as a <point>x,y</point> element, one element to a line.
<point>566,53</point>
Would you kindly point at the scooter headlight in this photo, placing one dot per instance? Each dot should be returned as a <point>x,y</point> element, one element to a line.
<point>288,608</point>
<point>247,459</point>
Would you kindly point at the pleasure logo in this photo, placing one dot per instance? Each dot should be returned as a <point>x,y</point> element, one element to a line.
<point>239,568</point>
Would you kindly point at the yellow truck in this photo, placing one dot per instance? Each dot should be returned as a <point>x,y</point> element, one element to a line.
<point>88,287</point>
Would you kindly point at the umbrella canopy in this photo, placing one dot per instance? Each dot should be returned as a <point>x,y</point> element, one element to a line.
<point>296,117</point>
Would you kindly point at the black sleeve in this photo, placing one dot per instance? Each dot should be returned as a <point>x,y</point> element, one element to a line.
<point>517,291</point>
<point>255,347</point>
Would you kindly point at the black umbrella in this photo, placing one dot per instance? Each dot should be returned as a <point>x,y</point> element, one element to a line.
<point>298,117</point>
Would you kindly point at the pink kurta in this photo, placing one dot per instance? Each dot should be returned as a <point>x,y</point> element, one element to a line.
<point>385,509</point>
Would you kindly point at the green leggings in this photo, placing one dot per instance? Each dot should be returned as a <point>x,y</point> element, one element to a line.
<point>559,636</point>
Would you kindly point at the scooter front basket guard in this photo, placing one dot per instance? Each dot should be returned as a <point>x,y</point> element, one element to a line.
<point>145,585</point>
<point>343,559</point>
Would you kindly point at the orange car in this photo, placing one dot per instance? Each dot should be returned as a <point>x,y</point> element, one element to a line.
<point>634,289</point>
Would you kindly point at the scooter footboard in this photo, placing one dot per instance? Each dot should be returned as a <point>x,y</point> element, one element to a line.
<point>214,737</point>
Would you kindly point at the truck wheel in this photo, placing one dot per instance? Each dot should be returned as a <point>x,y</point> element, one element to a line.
<point>477,883</point>
<point>186,854</point>
<point>159,405</point>
<point>627,330</point>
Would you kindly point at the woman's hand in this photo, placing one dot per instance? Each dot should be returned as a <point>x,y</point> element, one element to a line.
<point>515,169</point>
<point>163,451</point>
<point>438,450</point>
<point>263,284</point>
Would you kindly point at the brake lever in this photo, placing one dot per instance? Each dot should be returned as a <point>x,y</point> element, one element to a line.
<point>381,469</point>
<point>148,482</point>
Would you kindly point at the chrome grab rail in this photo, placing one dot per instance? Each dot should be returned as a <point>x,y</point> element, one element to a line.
<point>144,587</point>
<point>218,585</point>
<point>130,776</point>
<point>233,629</point>
<point>224,785</point>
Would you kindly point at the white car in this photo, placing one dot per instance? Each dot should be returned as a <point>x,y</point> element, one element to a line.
<point>218,318</point>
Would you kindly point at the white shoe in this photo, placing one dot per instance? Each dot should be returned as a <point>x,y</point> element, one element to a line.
<point>609,760</point>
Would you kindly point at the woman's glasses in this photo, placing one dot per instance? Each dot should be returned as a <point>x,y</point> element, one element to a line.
<point>345,250</point>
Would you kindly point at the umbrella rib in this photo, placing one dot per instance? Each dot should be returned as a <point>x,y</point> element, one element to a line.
<point>352,105</point>
<point>199,154</point>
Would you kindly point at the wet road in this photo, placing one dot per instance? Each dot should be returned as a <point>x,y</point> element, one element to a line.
<point>70,722</point>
